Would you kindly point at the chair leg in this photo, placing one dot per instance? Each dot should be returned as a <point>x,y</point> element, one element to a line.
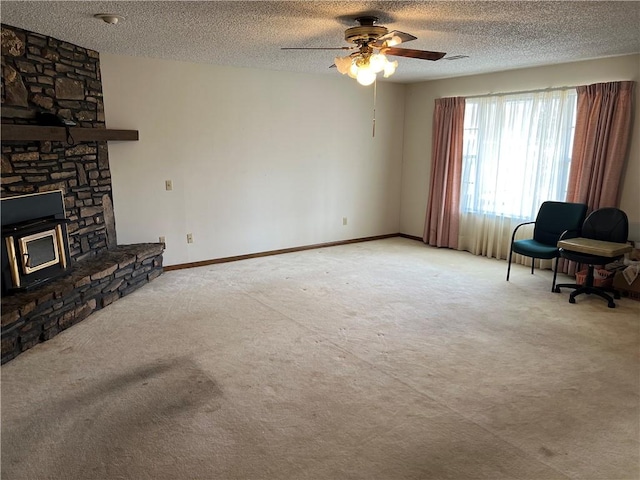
<point>533,262</point>
<point>555,275</point>
<point>509,267</point>
<point>565,285</point>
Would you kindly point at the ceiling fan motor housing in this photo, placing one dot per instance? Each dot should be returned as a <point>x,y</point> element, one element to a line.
<point>366,32</point>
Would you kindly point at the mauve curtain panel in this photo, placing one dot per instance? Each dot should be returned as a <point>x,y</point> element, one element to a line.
<point>441,223</point>
<point>601,143</point>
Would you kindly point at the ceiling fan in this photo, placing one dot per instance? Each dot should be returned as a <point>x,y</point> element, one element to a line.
<point>371,44</point>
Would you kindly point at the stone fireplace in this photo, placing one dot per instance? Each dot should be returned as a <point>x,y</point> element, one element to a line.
<point>66,260</point>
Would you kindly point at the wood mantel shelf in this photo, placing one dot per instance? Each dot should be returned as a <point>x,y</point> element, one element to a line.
<point>12,132</point>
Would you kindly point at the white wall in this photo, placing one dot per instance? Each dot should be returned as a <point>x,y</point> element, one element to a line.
<point>259,160</point>
<point>419,114</point>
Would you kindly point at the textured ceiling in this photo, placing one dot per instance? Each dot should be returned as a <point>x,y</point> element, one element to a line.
<point>495,35</point>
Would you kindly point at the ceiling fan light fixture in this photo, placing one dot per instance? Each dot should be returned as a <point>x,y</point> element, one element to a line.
<point>353,70</point>
<point>390,68</point>
<point>343,64</point>
<point>366,76</point>
<point>365,67</point>
<point>393,41</point>
<point>378,61</point>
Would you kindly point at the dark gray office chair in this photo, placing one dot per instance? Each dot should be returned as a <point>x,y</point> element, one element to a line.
<point>607,224</point>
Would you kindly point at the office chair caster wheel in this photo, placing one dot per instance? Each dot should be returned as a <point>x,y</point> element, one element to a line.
<point>572,300</point>
<point>611,305</point>
<point>557,290</point>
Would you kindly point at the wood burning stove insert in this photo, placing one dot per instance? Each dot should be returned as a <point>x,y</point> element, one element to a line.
<point>35,246</point>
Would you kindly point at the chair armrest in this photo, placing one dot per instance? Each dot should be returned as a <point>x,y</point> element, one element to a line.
<point>569,234</point>
<point>513,235</point>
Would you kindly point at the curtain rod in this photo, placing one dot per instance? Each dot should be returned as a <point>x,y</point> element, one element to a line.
<point>501,94</point>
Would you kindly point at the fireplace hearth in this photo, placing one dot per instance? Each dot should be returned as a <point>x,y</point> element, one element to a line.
<point>34,316</point>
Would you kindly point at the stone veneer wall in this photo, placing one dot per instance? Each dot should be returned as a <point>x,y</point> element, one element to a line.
<point>44,74</point>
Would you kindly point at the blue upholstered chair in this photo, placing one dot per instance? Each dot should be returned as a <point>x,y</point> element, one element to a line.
<point>554,219</point>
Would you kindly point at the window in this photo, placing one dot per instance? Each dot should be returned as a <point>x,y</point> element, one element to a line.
<point>517,151</point>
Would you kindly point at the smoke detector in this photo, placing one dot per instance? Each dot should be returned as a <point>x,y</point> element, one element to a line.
<point>110,18</point>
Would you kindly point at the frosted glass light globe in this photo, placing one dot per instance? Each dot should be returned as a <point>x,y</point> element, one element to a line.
<point>390,68</point>
<point>394,40</point>
<point>343,64</point>
<point>366,76</point>
<point>353,70</point>
<point>377,62</point>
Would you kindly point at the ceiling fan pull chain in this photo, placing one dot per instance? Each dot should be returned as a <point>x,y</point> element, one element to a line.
<point>375,96</point>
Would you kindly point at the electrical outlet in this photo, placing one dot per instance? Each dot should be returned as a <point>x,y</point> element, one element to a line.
<point>168,185</point>
<point>162,239</point>
<point>189,237</point>
<point>344,220</point>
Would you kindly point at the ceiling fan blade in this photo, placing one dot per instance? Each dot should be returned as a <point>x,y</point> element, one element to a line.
<point>403,36</point>
<point>407,52</point>
<point>316,48</point>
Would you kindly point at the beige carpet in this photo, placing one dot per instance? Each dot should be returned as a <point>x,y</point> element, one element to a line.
<point>379,360</point>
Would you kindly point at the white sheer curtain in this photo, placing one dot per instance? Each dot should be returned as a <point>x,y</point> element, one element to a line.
<point>516,155</point>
